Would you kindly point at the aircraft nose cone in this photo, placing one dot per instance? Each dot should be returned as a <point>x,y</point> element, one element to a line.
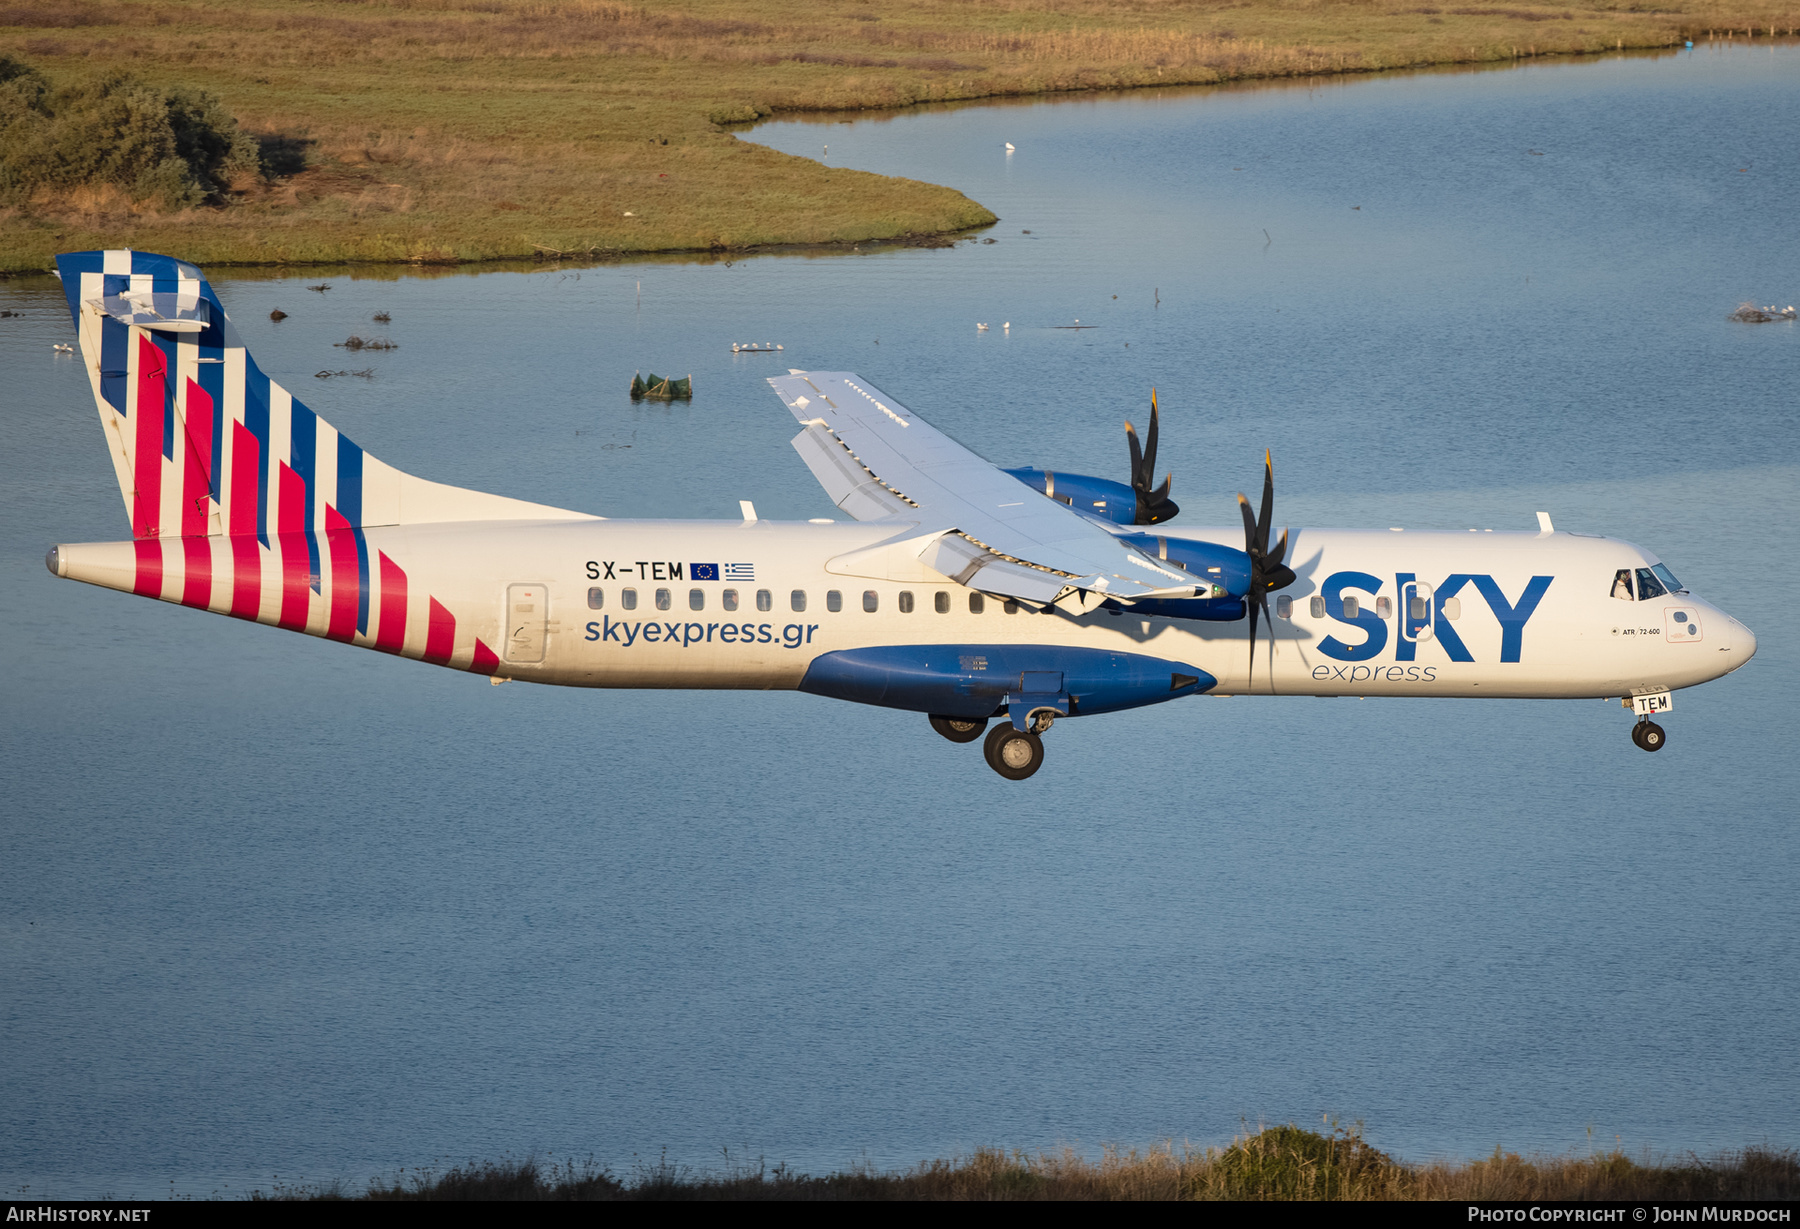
<point>1744,644</point>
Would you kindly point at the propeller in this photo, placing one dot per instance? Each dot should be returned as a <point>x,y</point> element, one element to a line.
<point>1267,571</point>
<point>1152,505</point>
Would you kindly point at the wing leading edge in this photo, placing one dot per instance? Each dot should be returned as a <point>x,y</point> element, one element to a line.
<point>976,524</point>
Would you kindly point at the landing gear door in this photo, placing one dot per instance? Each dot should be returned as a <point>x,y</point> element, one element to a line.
<point>1417,616</point>
<point>525,615</point>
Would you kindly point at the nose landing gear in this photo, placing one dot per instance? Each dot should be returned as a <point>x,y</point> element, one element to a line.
<point>1648,735</point>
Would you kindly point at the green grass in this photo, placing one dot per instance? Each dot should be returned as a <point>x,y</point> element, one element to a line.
<point>1276,1163</point>
<point>458,130</point>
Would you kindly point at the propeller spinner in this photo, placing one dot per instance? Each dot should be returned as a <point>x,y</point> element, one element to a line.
<point>1267,571</point>
<point>1153,506</point>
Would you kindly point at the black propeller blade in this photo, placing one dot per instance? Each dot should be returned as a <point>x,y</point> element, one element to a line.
<point>1267,571</point>
<point>1153,506</point>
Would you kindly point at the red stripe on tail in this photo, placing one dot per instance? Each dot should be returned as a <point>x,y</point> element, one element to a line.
<point>196,480</point>
<point>149,566</point>
<point>440,635</point>
<point>346,586</point>
<point>391,634</point>
<point>196,583</point>
<point>147,454</point>
<point>290,524</point>
<point>246,559</point>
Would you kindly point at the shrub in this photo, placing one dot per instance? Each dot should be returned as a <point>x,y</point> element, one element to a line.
<point>170,148</point>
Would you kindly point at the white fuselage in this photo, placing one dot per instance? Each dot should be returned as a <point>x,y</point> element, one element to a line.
<point>617,603</point>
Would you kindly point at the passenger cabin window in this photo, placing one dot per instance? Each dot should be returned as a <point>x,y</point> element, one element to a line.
<point>834,600</point>
<point>1451,608</point>
<point>728,599</point>
<point>1622,584</point>
<point>871,601</point>
<point>906,602</point>
<point>1284,607</point>
<point>941,603</point>
<point>663,600</point>
<point>976,603</point>
<point>1384,608</point>
<point>765,600</point>
<point>1352,607</point>
<point>1010,606</point>
<point>1316,605</point>
<point>798,600</point>
<point>1418,608</point>
<point>696,599</point>
<point>1648,586</point>
<point>628,598</point>
<point>596,599</point>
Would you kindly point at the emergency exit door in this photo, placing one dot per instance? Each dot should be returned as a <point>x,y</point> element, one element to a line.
<point>526,611</point>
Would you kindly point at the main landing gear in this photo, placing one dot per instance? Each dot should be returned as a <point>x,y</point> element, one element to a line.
<point>1014,754</point>
<point>1648,735</point>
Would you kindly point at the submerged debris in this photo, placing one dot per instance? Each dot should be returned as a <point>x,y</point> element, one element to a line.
<point>353,342</point>
<point>367,373</point>
<point>278,315</point>
<point>321,288</point>
<point>657,388</point>
<point>381,318</point>
<point>1750,313</point>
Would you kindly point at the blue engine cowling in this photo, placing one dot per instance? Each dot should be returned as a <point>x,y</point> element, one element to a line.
<point>975,681</point>
<point>1096,497</point>
<point>1209,564</point>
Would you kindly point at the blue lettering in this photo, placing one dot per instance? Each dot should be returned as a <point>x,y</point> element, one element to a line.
<point>671,631</point>
<point>710,629</point>
<point>1431,674</point>
<point>810,629</point>
<point>1512,618</point>
<point>1320,672</point>
<point>728,633</point>
<point>763,636</point>
<point>693,633</point>
<point>1446,633</point>
<point>651,633</point>
<point>1374,629</point>
<point>792,635</point>
<point>593,631</point>
<point>631,632</point>
<point>609,630</point>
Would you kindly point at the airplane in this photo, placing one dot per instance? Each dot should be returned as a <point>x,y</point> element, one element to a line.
<point>996,602</point>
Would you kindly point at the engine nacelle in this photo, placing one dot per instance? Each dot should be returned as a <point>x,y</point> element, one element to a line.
<point>1099,498</point>
<point>1224,568</point>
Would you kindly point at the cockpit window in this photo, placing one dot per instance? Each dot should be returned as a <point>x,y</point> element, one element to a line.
<point>1648,585</point>
<point>1668,578</point>
<point>1622,584</point>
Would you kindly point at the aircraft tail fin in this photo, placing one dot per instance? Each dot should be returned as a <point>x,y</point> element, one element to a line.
<point>241,499</point>
<point>204,443</point>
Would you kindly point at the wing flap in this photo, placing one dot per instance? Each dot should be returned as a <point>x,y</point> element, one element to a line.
<point>849,483</point>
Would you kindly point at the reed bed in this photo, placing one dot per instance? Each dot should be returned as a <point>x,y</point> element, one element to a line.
<point>1276,1163</point>
<point>452,130</point>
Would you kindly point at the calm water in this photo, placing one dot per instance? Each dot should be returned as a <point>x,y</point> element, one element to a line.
<point>271,907</point>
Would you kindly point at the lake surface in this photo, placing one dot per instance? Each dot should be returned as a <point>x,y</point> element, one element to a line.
<point>275,910</point>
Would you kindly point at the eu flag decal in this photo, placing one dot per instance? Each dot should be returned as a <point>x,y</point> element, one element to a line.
<point>742,572</point>
<point>703,571</point>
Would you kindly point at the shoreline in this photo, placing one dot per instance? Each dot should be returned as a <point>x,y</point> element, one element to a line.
<point>466,187</point>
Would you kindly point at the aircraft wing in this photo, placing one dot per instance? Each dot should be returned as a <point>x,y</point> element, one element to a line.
<point>977,524</point>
